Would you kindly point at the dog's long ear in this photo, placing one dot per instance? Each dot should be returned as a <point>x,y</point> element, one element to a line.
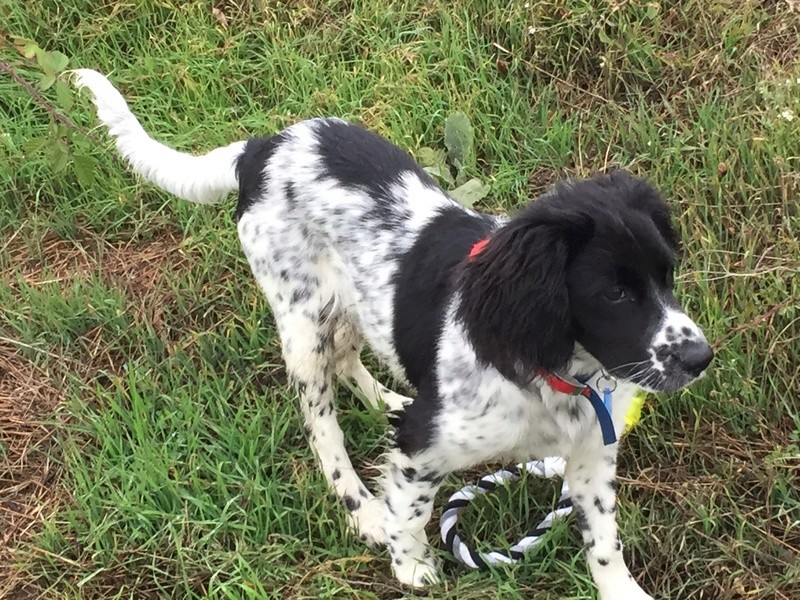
<point>514,300</point>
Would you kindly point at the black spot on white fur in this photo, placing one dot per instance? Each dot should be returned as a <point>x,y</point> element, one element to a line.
<point>351,504</point>
<point>580,518</point>
<point>599,505</point>
<point>409,473</point>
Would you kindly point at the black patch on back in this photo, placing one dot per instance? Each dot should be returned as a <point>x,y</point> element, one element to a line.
<point>423,285</point>
<point>250,170</point>
<point>359,159</point>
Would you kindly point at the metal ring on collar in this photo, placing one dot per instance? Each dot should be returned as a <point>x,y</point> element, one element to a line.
<point>603,376</point>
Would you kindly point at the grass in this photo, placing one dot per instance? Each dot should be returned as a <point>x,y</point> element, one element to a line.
<point>149,444</point>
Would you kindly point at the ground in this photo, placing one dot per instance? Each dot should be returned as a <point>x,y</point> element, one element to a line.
<point>150,447</point>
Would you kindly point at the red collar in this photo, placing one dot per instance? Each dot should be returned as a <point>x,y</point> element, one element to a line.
<point>562,385</point>
<point>477,248</point>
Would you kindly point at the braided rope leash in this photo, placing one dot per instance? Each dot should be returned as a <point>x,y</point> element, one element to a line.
<point>547,468</point>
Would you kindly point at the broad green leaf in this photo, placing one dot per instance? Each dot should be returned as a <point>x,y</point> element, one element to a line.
<point>458,139</point>
<point>58,155</point>
<point>64,95</point>
<point>471,192</point>
<point>34,145</point>
<point>54,61</point>
<point>84,167</point>
<point>441,172</point>
<point>30,50</point>
<point>47,81</point>
<point>428,157</point>
<point>21,43</point>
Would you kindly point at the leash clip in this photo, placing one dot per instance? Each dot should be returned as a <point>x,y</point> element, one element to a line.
<point>605,382</point>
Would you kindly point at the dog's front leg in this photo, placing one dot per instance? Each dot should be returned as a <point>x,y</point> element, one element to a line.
<point>591,475</point>
<point>409,490</point>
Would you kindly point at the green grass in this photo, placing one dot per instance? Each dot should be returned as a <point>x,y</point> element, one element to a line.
<point>141,386</point>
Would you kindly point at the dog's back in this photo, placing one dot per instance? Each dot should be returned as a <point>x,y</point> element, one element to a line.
<point>327,211</point>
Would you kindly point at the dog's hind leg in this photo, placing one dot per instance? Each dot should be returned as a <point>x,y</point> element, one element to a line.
<point>347,357</point>
<point>298,278</point>
<point>308,352</point>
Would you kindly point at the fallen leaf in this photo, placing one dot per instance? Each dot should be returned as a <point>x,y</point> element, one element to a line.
<point>441,172</point>
<point>220,17</point>
<point>458,139</point>
<point>428,157</point>
<point>471,192</point>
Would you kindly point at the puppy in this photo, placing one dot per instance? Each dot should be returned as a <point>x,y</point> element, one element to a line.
<point>494,321</point>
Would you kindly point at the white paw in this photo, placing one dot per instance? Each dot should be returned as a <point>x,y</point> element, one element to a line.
<point>368,522</point>
<point>414,573</point>
<point>394,401</point>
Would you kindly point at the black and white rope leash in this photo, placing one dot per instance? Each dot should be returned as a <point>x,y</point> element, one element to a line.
<point>547,468</point>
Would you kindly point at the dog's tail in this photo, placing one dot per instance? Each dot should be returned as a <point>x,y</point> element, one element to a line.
<point>202,179</point>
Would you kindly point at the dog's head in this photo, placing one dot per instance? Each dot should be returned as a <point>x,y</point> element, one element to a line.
<point>589,263</point>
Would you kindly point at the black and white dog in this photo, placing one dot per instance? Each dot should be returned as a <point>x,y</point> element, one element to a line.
<point>353,243</point>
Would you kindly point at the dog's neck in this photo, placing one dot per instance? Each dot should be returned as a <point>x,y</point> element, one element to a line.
<point>580,367</point>
<point>582,362</point>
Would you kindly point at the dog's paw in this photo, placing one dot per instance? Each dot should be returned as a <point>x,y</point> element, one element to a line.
<point>368,522</point>
<point>417,574</point>
<point>394,401</point>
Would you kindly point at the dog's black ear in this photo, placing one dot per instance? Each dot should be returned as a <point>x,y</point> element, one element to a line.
<point>514,301</point>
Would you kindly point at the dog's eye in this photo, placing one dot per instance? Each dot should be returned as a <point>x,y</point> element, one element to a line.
<point>617,293</point>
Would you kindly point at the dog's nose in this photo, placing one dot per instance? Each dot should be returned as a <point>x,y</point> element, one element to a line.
<point>695,357</point>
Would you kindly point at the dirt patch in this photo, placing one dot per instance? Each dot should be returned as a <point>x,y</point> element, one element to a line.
<point>29,489</point>
<point>135,266</point>
<point>31,390</point>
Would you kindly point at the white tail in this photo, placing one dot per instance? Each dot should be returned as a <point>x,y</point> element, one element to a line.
<point>202,179</point>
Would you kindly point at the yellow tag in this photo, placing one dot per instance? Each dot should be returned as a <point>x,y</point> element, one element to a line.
<point>635,409</point>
